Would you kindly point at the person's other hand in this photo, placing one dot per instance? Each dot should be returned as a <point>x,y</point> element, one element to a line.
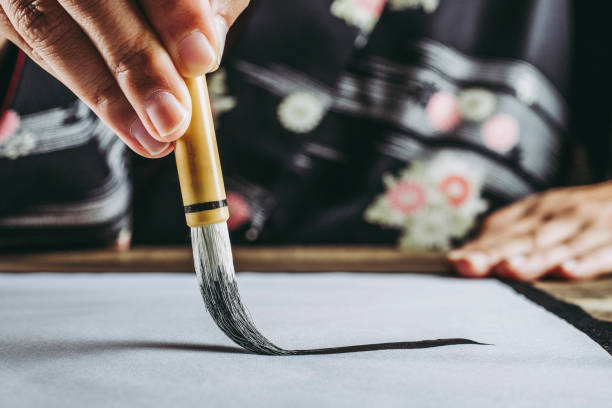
<point>125,58</point>
<point>565,232</point>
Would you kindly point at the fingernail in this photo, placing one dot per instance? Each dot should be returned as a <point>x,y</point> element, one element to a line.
<point>165,112</point>
<point>517,262</point>
<point>571,264</point>
<point>197,54</point>
<point>455,255</point>
<point>571,267</point>
<point>472,264</point>
<point>138,132</point>
<point>221,27</point>
<point>479,261</point>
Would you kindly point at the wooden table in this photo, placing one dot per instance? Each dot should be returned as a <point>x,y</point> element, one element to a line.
<point>595,296</point>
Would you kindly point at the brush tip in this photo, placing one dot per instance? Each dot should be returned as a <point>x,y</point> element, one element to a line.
<point>214,265</point>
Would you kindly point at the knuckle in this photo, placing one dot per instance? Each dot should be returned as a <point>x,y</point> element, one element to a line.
<point>172,18</point>
<point>191,19</point>
<point>37,22</point>
<point>36,56</point>
<point>490,222</point>
<point>496,218</point>
<point>102,95</point>
<point>131,57</point>
<point>573,210</point>
<point>86,7</point>
<point>182,22</point>
<point>5,23</point>
<point>26,13</point>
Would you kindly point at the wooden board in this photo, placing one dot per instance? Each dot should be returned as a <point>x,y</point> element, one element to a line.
<point>593,296</point>
<point>253,259</point>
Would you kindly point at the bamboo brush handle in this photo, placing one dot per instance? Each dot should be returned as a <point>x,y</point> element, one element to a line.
<point>197,162</point>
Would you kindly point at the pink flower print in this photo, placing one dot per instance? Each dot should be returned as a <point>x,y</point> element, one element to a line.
<point>239,210</point>
<point>123,241</point>
<point>500,133</point>
<point>455,188</point>
<point>443,111</point>
<point>406,197</point>
<point>9,122</point>
<point>373,6</point>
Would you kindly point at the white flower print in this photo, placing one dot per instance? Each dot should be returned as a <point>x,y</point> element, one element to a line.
<point>429,6</point>
<point>428,231</point>
<point>360,13</point>
<point>18,145</point>
<point>477,104</point>
<point>123,241</point>
<point>527,89</point>
<point>431,202</point>
<point>301,111</point>
<point>217,89</point>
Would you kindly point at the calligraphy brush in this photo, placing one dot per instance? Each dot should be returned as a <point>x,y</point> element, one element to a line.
<point>203,192</point>
<point>204,199</point>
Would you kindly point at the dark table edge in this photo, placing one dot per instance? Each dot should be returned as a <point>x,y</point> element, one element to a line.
<point>598,330</point>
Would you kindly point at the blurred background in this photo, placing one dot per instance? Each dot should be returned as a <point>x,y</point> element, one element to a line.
<point>399,122</point>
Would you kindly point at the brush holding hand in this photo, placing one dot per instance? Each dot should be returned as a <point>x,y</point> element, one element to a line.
<point>126,59</point>
<point>139,66</point>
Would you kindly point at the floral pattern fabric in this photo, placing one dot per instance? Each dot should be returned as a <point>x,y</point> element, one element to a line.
<point>431,202</point>
<point>428,6</point>
<point>64,174</point>
<point>408,141</point>
<point>363,121</point>
<point>301,112</point>
<point>361,13</point>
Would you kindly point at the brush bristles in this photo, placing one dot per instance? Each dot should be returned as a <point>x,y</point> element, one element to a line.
<point>214,265</point>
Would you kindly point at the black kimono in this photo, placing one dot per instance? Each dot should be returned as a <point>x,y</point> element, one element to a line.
<point>346,121</point>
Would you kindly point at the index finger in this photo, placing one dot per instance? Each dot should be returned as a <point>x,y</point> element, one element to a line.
<point>189,31</point>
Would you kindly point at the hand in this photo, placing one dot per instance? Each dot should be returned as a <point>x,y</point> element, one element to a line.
<point>125,58</point>
<point>565,232</point>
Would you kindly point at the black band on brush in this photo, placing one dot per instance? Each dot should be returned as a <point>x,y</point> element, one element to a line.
<point>209,205</point>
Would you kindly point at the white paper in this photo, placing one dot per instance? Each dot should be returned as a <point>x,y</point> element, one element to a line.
<point>135,340</point>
